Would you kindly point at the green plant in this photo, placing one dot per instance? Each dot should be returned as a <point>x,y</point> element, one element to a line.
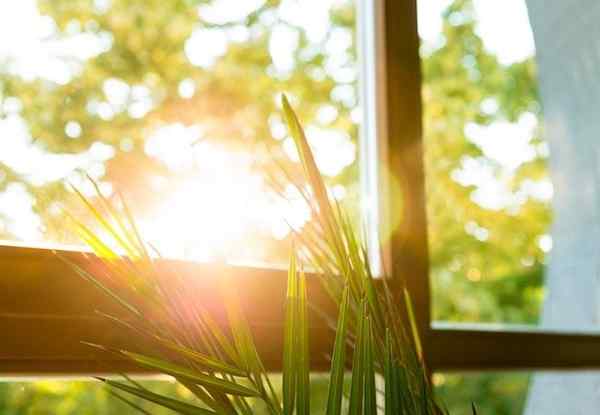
<point>221,367</point>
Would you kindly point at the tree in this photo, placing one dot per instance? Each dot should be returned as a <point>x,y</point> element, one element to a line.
<point>495,245</point>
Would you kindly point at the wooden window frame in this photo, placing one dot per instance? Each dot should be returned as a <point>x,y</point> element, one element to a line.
<point>46,310</point>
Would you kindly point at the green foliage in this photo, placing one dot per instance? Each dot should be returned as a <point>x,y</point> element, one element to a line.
<point>76,397</point>
<point>226,377</point>
<point>504,391</point>
<point>473,280</point>
<point>296,370</point>
<point>338,361</point>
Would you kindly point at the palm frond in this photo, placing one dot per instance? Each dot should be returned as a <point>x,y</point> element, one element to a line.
<point>219,364</point>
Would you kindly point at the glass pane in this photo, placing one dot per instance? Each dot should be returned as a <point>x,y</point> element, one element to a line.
<point>61,397</point>
<point>76,397</point>
<point>514,393</point>
<point>489,190</point>
<point>498,393</point>
<point>175,105</point>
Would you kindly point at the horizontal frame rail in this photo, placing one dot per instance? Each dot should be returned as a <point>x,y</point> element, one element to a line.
<point>480,349</point>
<point>46,310</point>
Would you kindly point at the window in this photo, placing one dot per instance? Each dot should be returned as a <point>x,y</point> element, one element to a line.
<point>392,175</point>
<point>148,101</point>
<point>175,105</point>
<point>509,237</point>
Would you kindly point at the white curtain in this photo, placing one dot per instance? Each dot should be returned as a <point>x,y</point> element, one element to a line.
<point>567,37</point>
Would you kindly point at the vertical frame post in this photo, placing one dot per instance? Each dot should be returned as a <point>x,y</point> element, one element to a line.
<point>392,171</point>
<point>405,191</point>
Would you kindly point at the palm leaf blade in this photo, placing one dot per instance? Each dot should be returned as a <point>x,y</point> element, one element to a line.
<point>289,351</point>
<point>336,379</point>
<point>358,369</point>
<point>194,376</point>
<point>170,403</point>
<point>303,380</point>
